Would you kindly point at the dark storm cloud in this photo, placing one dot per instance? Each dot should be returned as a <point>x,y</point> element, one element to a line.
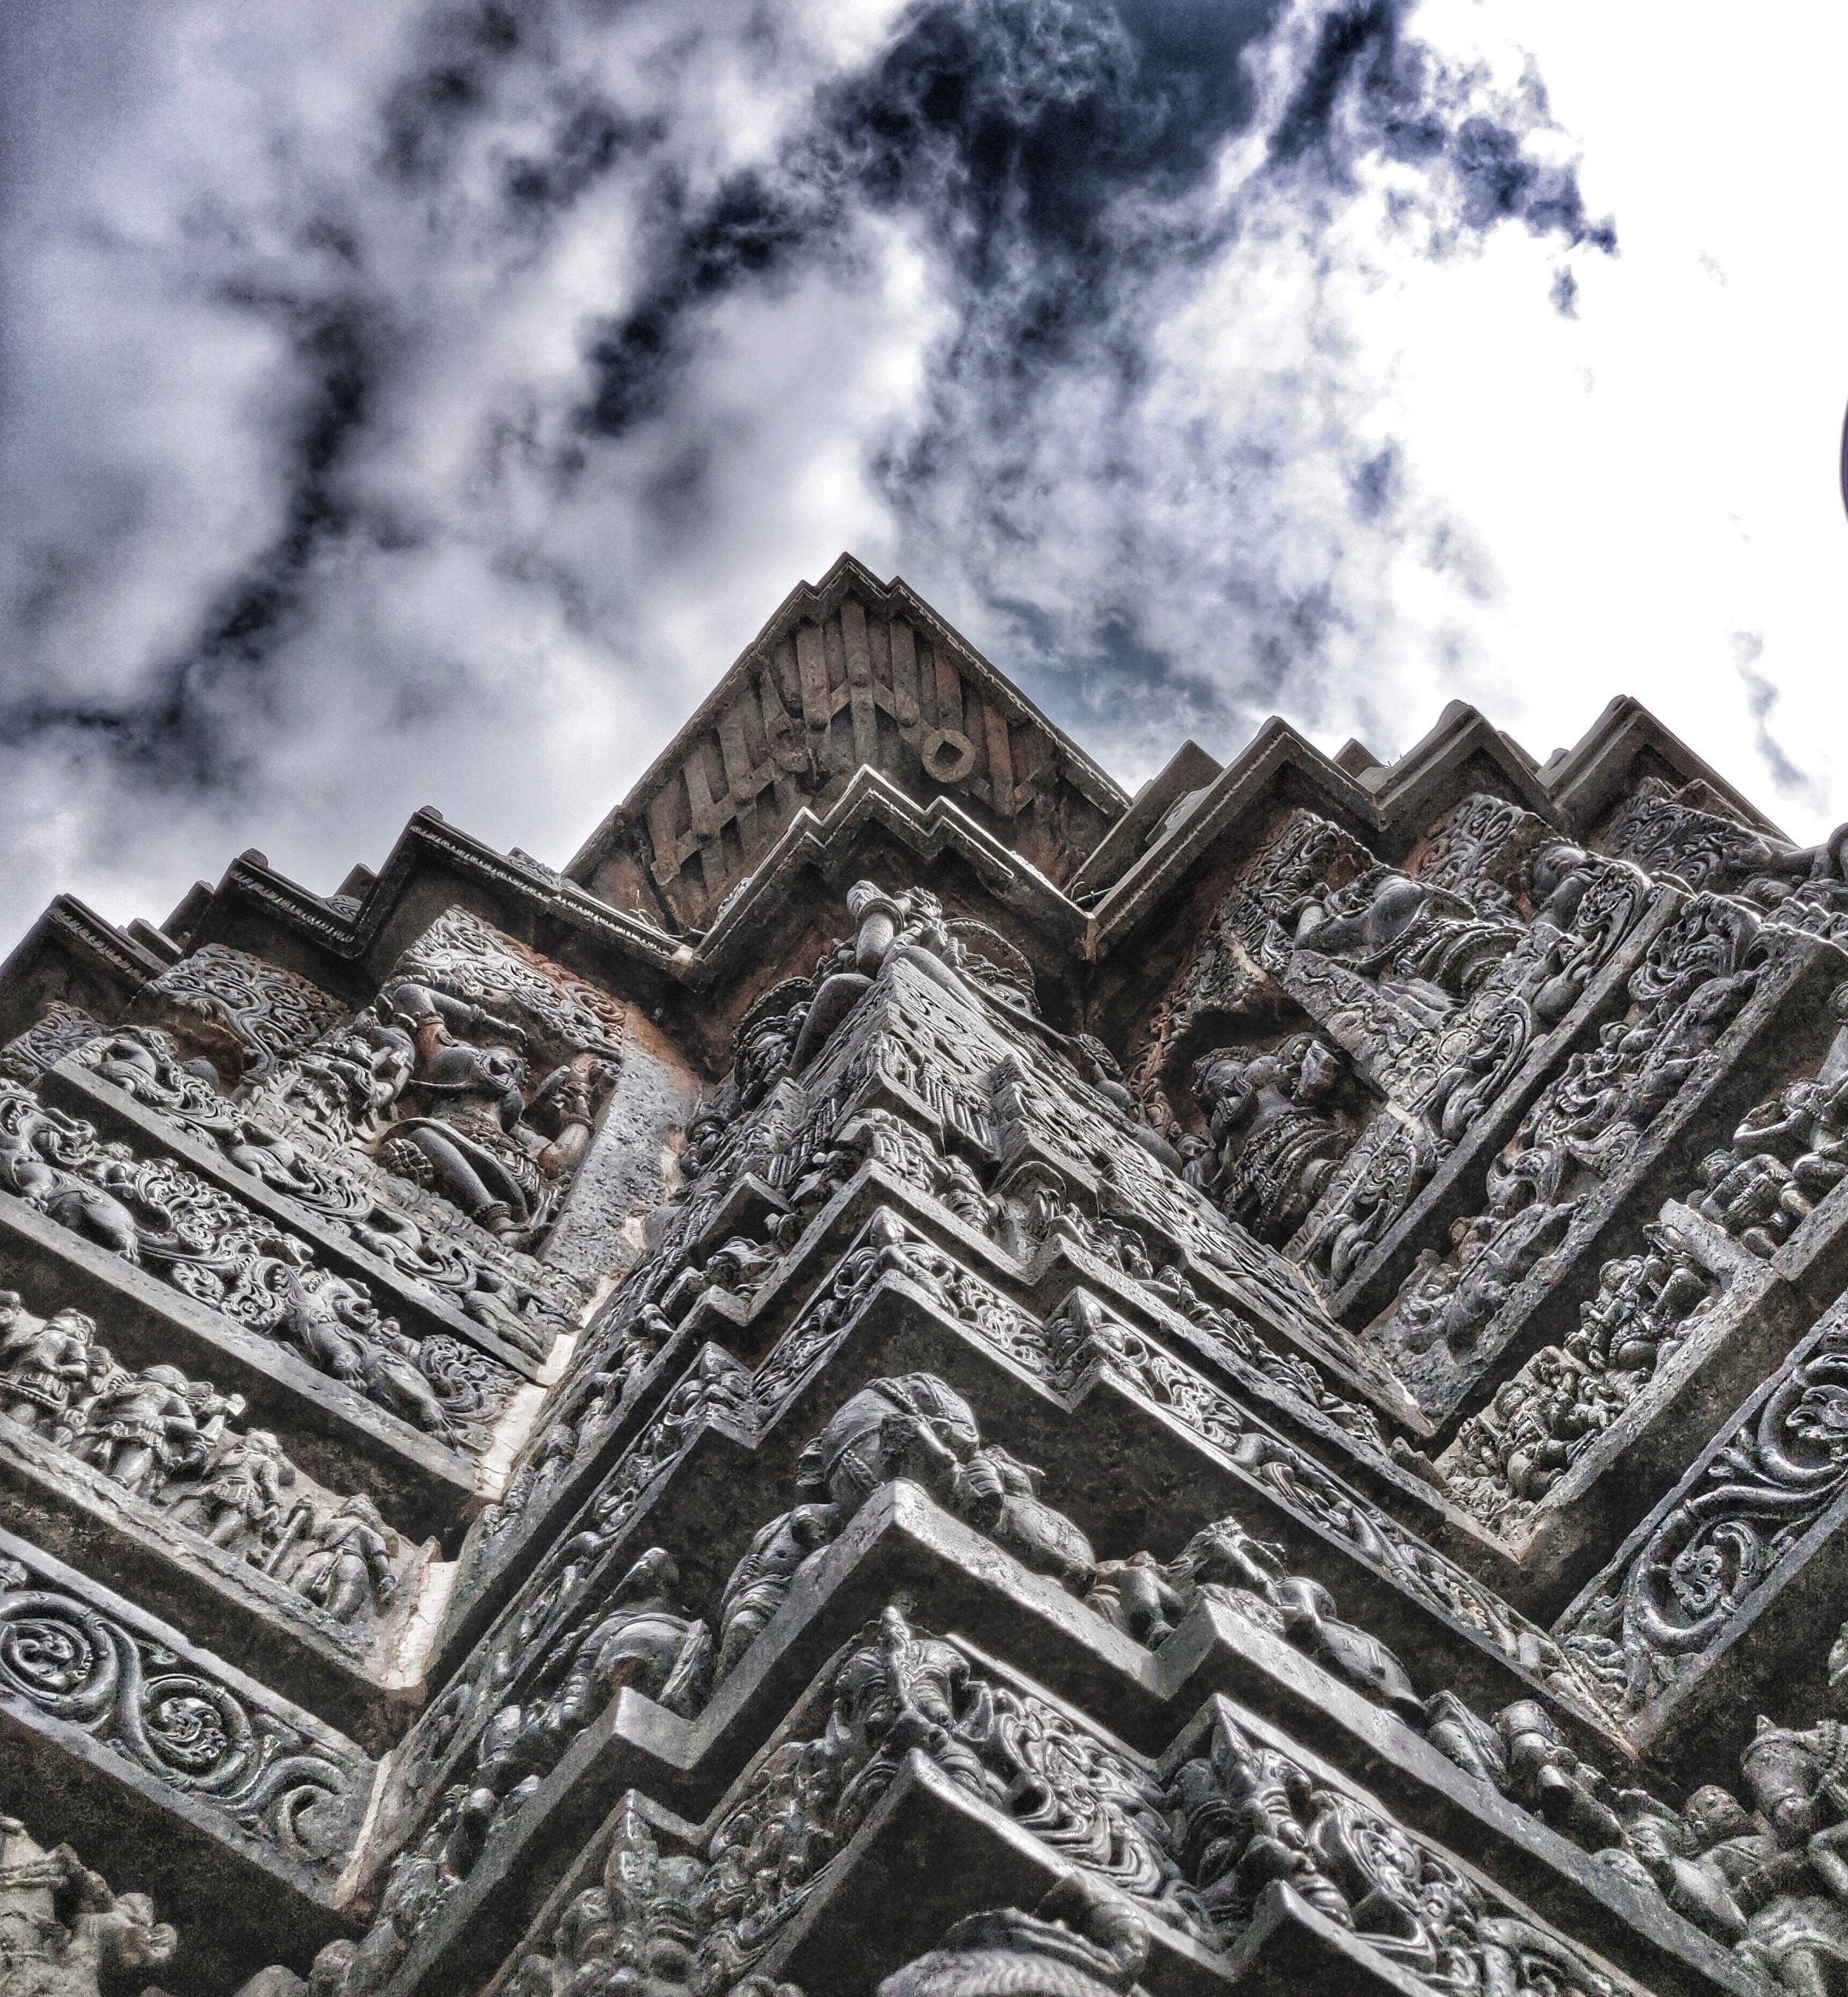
<point>429,360</point>
<point>171,730</point>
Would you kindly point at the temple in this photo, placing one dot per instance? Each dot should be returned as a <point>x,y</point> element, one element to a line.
<point>919,1377</point>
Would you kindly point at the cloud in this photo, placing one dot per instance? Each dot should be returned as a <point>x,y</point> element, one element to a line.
<point>421,405</point>
<point>1792,780</point>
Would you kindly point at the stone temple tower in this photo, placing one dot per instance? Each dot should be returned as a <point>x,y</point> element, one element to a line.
<point>917,1376</point>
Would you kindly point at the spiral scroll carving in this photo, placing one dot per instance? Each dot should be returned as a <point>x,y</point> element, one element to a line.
<point>191,1731</point>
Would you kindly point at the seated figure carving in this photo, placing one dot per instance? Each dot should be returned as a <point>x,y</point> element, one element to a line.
<point>475,1139</point>
<point>1275,1136</point>
<point>1504,1460</point>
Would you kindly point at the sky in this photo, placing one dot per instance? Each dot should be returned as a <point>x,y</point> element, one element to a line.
<point>424,403</point>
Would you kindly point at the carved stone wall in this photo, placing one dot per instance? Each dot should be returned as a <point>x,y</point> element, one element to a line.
<point>793,1409</point>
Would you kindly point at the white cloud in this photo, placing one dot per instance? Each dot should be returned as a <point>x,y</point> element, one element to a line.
<point>1284,456</point>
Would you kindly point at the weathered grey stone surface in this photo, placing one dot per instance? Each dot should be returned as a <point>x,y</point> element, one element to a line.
<point>915,1377</point>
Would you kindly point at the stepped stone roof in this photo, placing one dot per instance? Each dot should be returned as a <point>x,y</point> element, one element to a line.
<point>918,1378</point>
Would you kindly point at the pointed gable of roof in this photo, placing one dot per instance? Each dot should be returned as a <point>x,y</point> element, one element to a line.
<point>849,671</point>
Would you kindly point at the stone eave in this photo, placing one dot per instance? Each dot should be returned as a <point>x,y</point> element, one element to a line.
<point>71,953</point>
<point>433,864</point>
<point>1443,767</point>
<point>1277,766</point>
<point>1584,780</point>
<point>1189,768</point>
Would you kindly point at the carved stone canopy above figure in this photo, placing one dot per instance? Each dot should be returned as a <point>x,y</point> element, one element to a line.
<point>242,1015</point>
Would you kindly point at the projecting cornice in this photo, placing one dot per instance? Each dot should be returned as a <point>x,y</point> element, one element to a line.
<point>1625,746</point>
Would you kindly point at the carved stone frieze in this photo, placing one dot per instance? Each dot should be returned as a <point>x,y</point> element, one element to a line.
<point>179,1722</point>
<point>1683,835</point>
<point>1784,1157</point>
<point>1192,1852</point>
<point>161,1217</point>
<point>1697,976</point>
<point>1251,1816</point>
<point>898,1692</point>
<point>1435,983</point>
<point>1677,1592</point>
<point>162,1440</point>
<point>499,1287</point>
<point>1506,1459</point>
<point>752,1228</point>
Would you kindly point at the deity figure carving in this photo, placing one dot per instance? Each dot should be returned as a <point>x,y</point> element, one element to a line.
<point>1253,1816</point>
<point>1698,975</point>
<point>348,1568</point>
<point>1275,1133</point>
<point>63,1932</point>
<point>1694,835</point>
<point>348,1081</point>
<point>909,925</point>
<point>475,1138</point>
<point>1450,1302</point>
<point>634,1929</point>
<point>44,1366</point>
